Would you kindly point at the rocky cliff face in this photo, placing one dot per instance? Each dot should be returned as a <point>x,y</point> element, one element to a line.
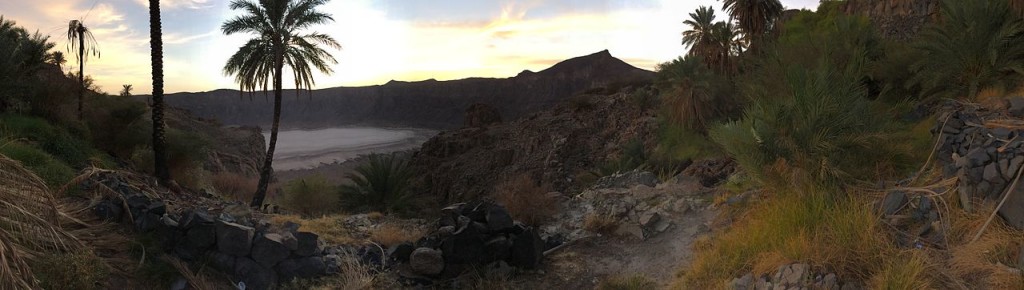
<point>429,104</point>
<point>895,19</point>
<point>238,150</point>
<point>551,147</point>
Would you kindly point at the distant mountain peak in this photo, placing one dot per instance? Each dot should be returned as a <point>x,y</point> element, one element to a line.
<point>601,62</point>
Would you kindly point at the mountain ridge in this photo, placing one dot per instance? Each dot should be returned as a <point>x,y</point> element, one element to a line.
<point>424,104</point>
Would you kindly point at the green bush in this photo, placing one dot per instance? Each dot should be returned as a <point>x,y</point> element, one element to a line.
<point>119,125</point>
<point>633,156</point>
<point>823,131</point>
<point>54,140</point>
<point>311,196</point>
<point>54,172</point>
<point>693,95</point>
<point>81,270</point>
<point>381,184</point>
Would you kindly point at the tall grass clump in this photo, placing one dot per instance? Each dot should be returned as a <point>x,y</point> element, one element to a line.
<point>381,184</point>
<point>526,200</point>
<point>56,141</point>
<point>311,196</point>
<point>978,44</point>
<point>52,171</point>
<point>823,130</point>
<point>808,225</point>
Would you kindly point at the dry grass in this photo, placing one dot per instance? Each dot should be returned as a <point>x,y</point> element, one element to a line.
<point>633,282</point>
<point>600,223</point>
<point>526,201</point>
<point>809,226</point>
<point>353,276</point>
<point>234,186</point>
<point>311,196</point>
<point>390,234</point>
<point>330,228</point>
<point>986,262</point>
<point>198,280</point>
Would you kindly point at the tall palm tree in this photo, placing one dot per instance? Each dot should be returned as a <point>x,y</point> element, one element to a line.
<point>727,43</point>
<point>126,90</point>
<point>700,37</point>
<point>278,41</point>
<point>81,39</point>
<point>156,46</point>
<point>58,59</point>
<point>756,17</point>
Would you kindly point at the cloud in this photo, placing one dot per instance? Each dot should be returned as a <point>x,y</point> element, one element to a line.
<point>177,38</point>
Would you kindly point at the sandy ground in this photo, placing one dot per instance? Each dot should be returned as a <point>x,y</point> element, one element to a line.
<point>308,149</point>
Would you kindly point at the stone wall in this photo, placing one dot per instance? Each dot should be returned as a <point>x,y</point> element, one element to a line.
<point>984,148</point>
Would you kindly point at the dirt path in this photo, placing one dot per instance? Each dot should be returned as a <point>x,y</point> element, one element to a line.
<point>584,264</point>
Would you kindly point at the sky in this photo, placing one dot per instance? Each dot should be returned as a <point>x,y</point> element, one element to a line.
<point>382,40</point>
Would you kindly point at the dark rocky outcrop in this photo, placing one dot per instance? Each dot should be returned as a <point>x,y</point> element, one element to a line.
<point>552,147</point>
<point>895,19</point>
<point>481,115</point>
<point>425,104</point>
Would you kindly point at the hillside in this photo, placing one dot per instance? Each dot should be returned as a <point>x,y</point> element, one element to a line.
<point>430,103</point>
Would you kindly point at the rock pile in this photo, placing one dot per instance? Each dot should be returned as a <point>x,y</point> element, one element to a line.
<point>978,147</point>
<point>253,252</point>
<point>794,277</point>
<point>471,235</point>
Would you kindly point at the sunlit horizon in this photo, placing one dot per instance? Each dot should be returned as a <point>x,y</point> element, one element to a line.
<point>381,41</point>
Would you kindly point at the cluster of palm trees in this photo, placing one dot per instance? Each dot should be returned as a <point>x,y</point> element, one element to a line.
<point>279,40</point>
<point>719,42</point>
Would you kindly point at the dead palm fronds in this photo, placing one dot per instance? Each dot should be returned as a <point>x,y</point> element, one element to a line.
<point>29,224</point>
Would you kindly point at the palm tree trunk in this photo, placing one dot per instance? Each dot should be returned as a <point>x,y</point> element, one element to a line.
<point>157,54</point>
<point>265,172</point>
<point>81,71</point>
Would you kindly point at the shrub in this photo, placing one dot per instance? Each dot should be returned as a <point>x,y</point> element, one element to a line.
<point>634,282</point>
<point>54,140</point>
<point>54,172</point>
<point>119,126</point>
<point>186,152</point>
<point>600,223</point>
<point>978,44</point>
<point>310,196</point>
<point>525,200</point>
<point>77,270</point>
<point>234,186</point>
<point>633,156</point>
<point>381,184</point>
<point>823,130</point>
<point>693,95</point>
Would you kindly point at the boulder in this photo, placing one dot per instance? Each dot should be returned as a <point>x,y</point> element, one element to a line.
<point>401,252</point>
<point>254,275</point>
<point>496,249</point>
<point>221,261</point>
<point>792,275</point>
<point>234,239</point>
<point>147,222</point>
<point>332,264</point>
<point>742,283</point>
<point>498,219</point>
<point>196,217</point>
<point>426,261</point>
<point>269,249</point>
<point>305,268</point>
<point>527,249</point>
<point>1013,210</point>
<point>1015,106</point>
<point>307,244</point>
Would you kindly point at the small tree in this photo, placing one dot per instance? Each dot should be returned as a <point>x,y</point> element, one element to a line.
<point>126,91</point>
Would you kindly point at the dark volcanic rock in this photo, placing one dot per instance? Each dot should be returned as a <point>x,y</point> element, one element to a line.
<point>254,275</point>
<point>308,267</point>
<point>481,115</point>
<point>234,239</point>
<point>426,261</point>
<point>527,250</point>
<point>269,249</point>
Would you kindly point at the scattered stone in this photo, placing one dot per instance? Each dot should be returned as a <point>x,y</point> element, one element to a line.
<point>1013,210</point>
<point>630,230</point>
<point>332,263</point>
<point>498,219</point>
<point>222,261</point>
<point>742,283</point>
<point>893,201</point>
<point>1015,106</point>
<point>147,222</point>
<point>830,282</point>
<point>627,180</point>
<point>401,252</point>
<point>234,239</point>
<point>426,261</point>
<point>792,275</point>
<point>201,236</point>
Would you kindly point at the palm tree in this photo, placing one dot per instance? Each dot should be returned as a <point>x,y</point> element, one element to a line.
<point>58,59</point>
<point>126,91</point>
<point>699,38</point>
<point>81,39</point>
<point>156,46</point>
<point>756,17</point>
<point>978,44</point>
<point>727,43</point>
<point>278,41</point>
<point>382,184</point>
